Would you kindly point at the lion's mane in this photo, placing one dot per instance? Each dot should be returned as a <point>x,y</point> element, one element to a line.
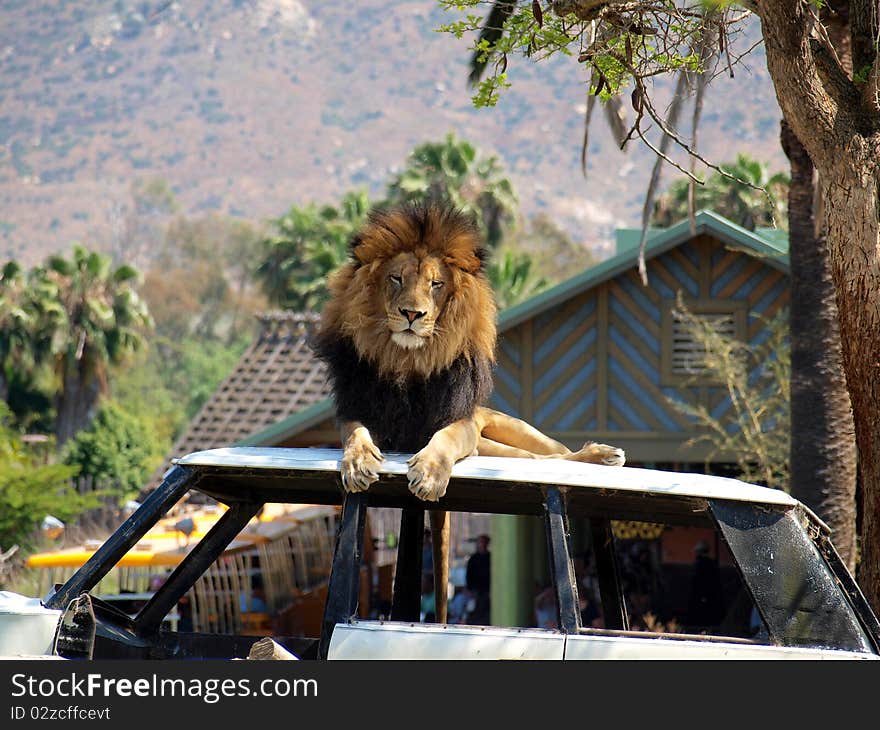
<point>403,396</point>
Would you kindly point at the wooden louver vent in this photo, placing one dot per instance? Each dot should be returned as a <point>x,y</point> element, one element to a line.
<point>688,353</point>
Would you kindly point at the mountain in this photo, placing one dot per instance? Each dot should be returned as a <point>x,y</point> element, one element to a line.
<point>248,106</point>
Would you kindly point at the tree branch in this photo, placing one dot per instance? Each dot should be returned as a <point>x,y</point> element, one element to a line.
<point>833,77</point>
<point>813,112</point>
<point>671,121</point>
<point>591,102</point>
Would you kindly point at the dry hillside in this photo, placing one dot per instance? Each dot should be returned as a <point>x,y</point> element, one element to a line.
<point>247,106</point>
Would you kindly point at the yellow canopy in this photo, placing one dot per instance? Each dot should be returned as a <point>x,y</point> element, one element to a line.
<point>160,552</point>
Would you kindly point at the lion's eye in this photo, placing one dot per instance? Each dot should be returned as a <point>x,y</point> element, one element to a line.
<point>396,280</point>
<point>436,284</point>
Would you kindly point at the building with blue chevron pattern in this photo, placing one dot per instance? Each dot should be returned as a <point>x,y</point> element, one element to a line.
<point>600,356</point>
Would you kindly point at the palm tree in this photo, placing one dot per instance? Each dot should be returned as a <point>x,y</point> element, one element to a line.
<point>823,446</point>
<point>103,321</point>
<point>452,172</point>
<point>16,319</point>
<point>310,243</point>
<point>512,277</point>
<point>733,199</point>
<point>30,315</point>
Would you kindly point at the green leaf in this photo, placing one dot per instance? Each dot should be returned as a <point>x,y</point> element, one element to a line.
<point>124,273</point>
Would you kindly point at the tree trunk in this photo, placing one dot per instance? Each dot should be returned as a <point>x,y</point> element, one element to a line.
<point>75,404</point>
<point>852,208</point>
<point>823,448</point>
<point>837,121</point>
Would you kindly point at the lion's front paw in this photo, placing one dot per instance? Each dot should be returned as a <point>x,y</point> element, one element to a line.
<point>428,474</point>
<point>360,467</point>
<point>593,453</point>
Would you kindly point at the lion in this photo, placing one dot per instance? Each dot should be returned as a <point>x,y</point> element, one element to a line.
<point>408,336</point>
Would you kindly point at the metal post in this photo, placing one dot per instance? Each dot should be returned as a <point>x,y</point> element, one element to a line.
<point>561,568</point>
<point>406,602</point>
<point>342,590</point>
<point>193,565</point>
<point>610,589</point>
<point>161,499</point>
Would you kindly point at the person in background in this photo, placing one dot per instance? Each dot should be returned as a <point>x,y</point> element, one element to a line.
<point>256,602</point>
<point>427,605</point>
<point>478,581</point>
<point>427,553</point>
<point>706,602</point>
<point>588,590</point>
<point>545,608</point>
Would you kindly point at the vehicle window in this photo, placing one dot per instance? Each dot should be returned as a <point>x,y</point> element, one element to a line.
<point>382,536</point>
<point>271,578</point>
<point>677,579</point>
<point>469,586</point>
<point>796,593</point>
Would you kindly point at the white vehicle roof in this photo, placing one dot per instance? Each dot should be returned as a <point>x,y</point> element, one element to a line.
<point>494,468</point>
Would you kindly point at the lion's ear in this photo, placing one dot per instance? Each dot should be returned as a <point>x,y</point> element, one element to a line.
<point>483,255</point>
<point>463,251</point>
<point>470,264</point>
<point>374,242</point>
<point>357,250</point>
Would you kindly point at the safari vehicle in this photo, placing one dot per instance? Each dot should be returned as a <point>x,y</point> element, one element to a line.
<point>782,589</point>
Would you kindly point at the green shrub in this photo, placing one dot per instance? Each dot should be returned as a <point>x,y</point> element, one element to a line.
<point>116,448</point>
<point>30,490</point>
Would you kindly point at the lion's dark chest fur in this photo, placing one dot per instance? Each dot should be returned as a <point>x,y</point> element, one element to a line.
<point>402,417</point>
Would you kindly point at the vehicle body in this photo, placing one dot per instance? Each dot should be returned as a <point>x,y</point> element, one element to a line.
<point>787,594</point>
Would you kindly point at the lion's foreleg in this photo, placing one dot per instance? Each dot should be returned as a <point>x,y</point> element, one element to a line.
<point>515,432</point>
<point>430,468</point>
<point>429,472</point>
<point>361,459</point>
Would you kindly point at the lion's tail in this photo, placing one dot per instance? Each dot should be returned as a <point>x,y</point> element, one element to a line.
<point>440,552</point>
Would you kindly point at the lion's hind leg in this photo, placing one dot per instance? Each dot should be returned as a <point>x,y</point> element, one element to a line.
<point>591,453</point>
<point>488,447</point>
<point>511,431</point>
<point>503,435</point>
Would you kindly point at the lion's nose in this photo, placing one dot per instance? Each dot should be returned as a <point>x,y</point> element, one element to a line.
<point>411,314</point>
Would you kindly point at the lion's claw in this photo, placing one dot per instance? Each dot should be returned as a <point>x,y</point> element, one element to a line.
<point>607,455</point>
<point>428,475</point>
<point>360,468</point>
<point>593,453</point>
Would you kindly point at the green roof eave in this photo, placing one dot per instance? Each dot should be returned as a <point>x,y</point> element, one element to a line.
<point>291,426</point>
<point>774,249</point>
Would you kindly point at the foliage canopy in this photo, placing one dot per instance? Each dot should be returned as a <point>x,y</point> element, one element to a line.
<point>116,448</point>
<point>30,490</point>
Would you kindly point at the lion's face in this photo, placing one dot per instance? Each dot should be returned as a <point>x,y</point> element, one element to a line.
<point>414,297</point>
<point>415,289</point>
